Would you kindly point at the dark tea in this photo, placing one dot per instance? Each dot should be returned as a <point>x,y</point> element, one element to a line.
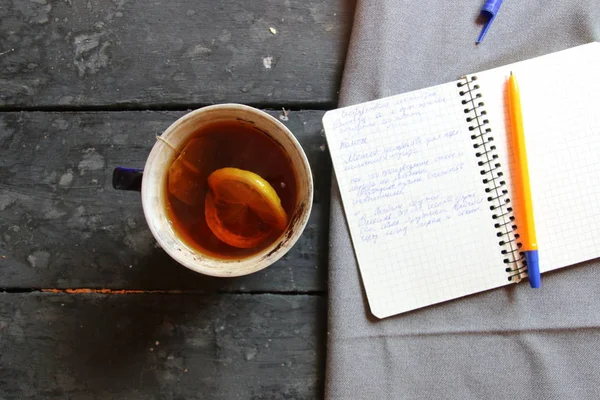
<point>231,190</point>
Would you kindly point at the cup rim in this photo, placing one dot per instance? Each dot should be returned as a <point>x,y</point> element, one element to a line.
<point>229,267</point>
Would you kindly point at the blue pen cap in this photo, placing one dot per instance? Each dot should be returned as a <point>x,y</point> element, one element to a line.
<point>488,11</point>
<point>533,268</point>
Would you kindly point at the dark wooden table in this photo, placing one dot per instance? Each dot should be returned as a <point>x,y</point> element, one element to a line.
<point>90,306</point>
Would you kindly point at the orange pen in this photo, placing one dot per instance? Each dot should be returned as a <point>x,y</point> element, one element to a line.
<point>523,187</point>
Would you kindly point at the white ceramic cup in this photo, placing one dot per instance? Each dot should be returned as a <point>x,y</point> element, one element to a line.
<point>154,197</point>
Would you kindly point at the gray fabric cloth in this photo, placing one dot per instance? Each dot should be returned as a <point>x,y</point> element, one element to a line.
<point>513,342</point>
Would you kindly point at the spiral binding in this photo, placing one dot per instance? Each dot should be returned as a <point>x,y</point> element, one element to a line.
<point>491,172</point>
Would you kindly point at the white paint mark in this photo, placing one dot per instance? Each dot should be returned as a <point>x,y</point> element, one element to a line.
<point>273,31</point>
<point>41,16</point>
<point>250,354</point>
<point>131,222</point>
<point>90,54</point>
<point>198,50</point>
<point>225,36</point>
<point>67,178</point>
<point>267,62</point>
<point>66,100</point>
<point>53,213</point>
<point>91,161</point>
<point>39,259</point>
<point>7,200</point>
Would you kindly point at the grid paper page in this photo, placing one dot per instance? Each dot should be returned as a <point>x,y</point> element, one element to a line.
<point>414,199</point>
<point>560,96</point>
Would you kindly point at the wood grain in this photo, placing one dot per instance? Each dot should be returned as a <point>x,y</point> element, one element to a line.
<point>155,54</point>
<point>63,226</point>
<point>57,346</point>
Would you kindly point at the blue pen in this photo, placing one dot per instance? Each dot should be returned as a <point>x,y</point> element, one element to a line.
<point>488,11</point>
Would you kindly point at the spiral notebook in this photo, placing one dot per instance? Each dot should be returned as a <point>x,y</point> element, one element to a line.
<point>425,180</point>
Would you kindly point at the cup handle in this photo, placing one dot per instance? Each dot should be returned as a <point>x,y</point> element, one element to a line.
<point>127,178</point>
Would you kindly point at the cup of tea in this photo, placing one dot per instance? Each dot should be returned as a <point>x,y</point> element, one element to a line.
<point>226,190</point>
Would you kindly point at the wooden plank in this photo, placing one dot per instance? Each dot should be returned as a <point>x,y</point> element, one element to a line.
<point>63,226</point>
<point>145,54</point>
<point>161,346</point>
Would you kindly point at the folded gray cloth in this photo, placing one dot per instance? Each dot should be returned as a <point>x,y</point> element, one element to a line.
<point>513,342</point>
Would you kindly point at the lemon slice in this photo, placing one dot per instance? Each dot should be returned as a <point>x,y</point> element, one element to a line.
<point>242,209</point>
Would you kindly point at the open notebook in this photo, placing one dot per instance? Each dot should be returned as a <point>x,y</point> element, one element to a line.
<point>425,180</point>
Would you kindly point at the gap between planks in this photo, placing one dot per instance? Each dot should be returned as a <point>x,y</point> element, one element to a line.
<point>163,107</point>
<point>84,291</point>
